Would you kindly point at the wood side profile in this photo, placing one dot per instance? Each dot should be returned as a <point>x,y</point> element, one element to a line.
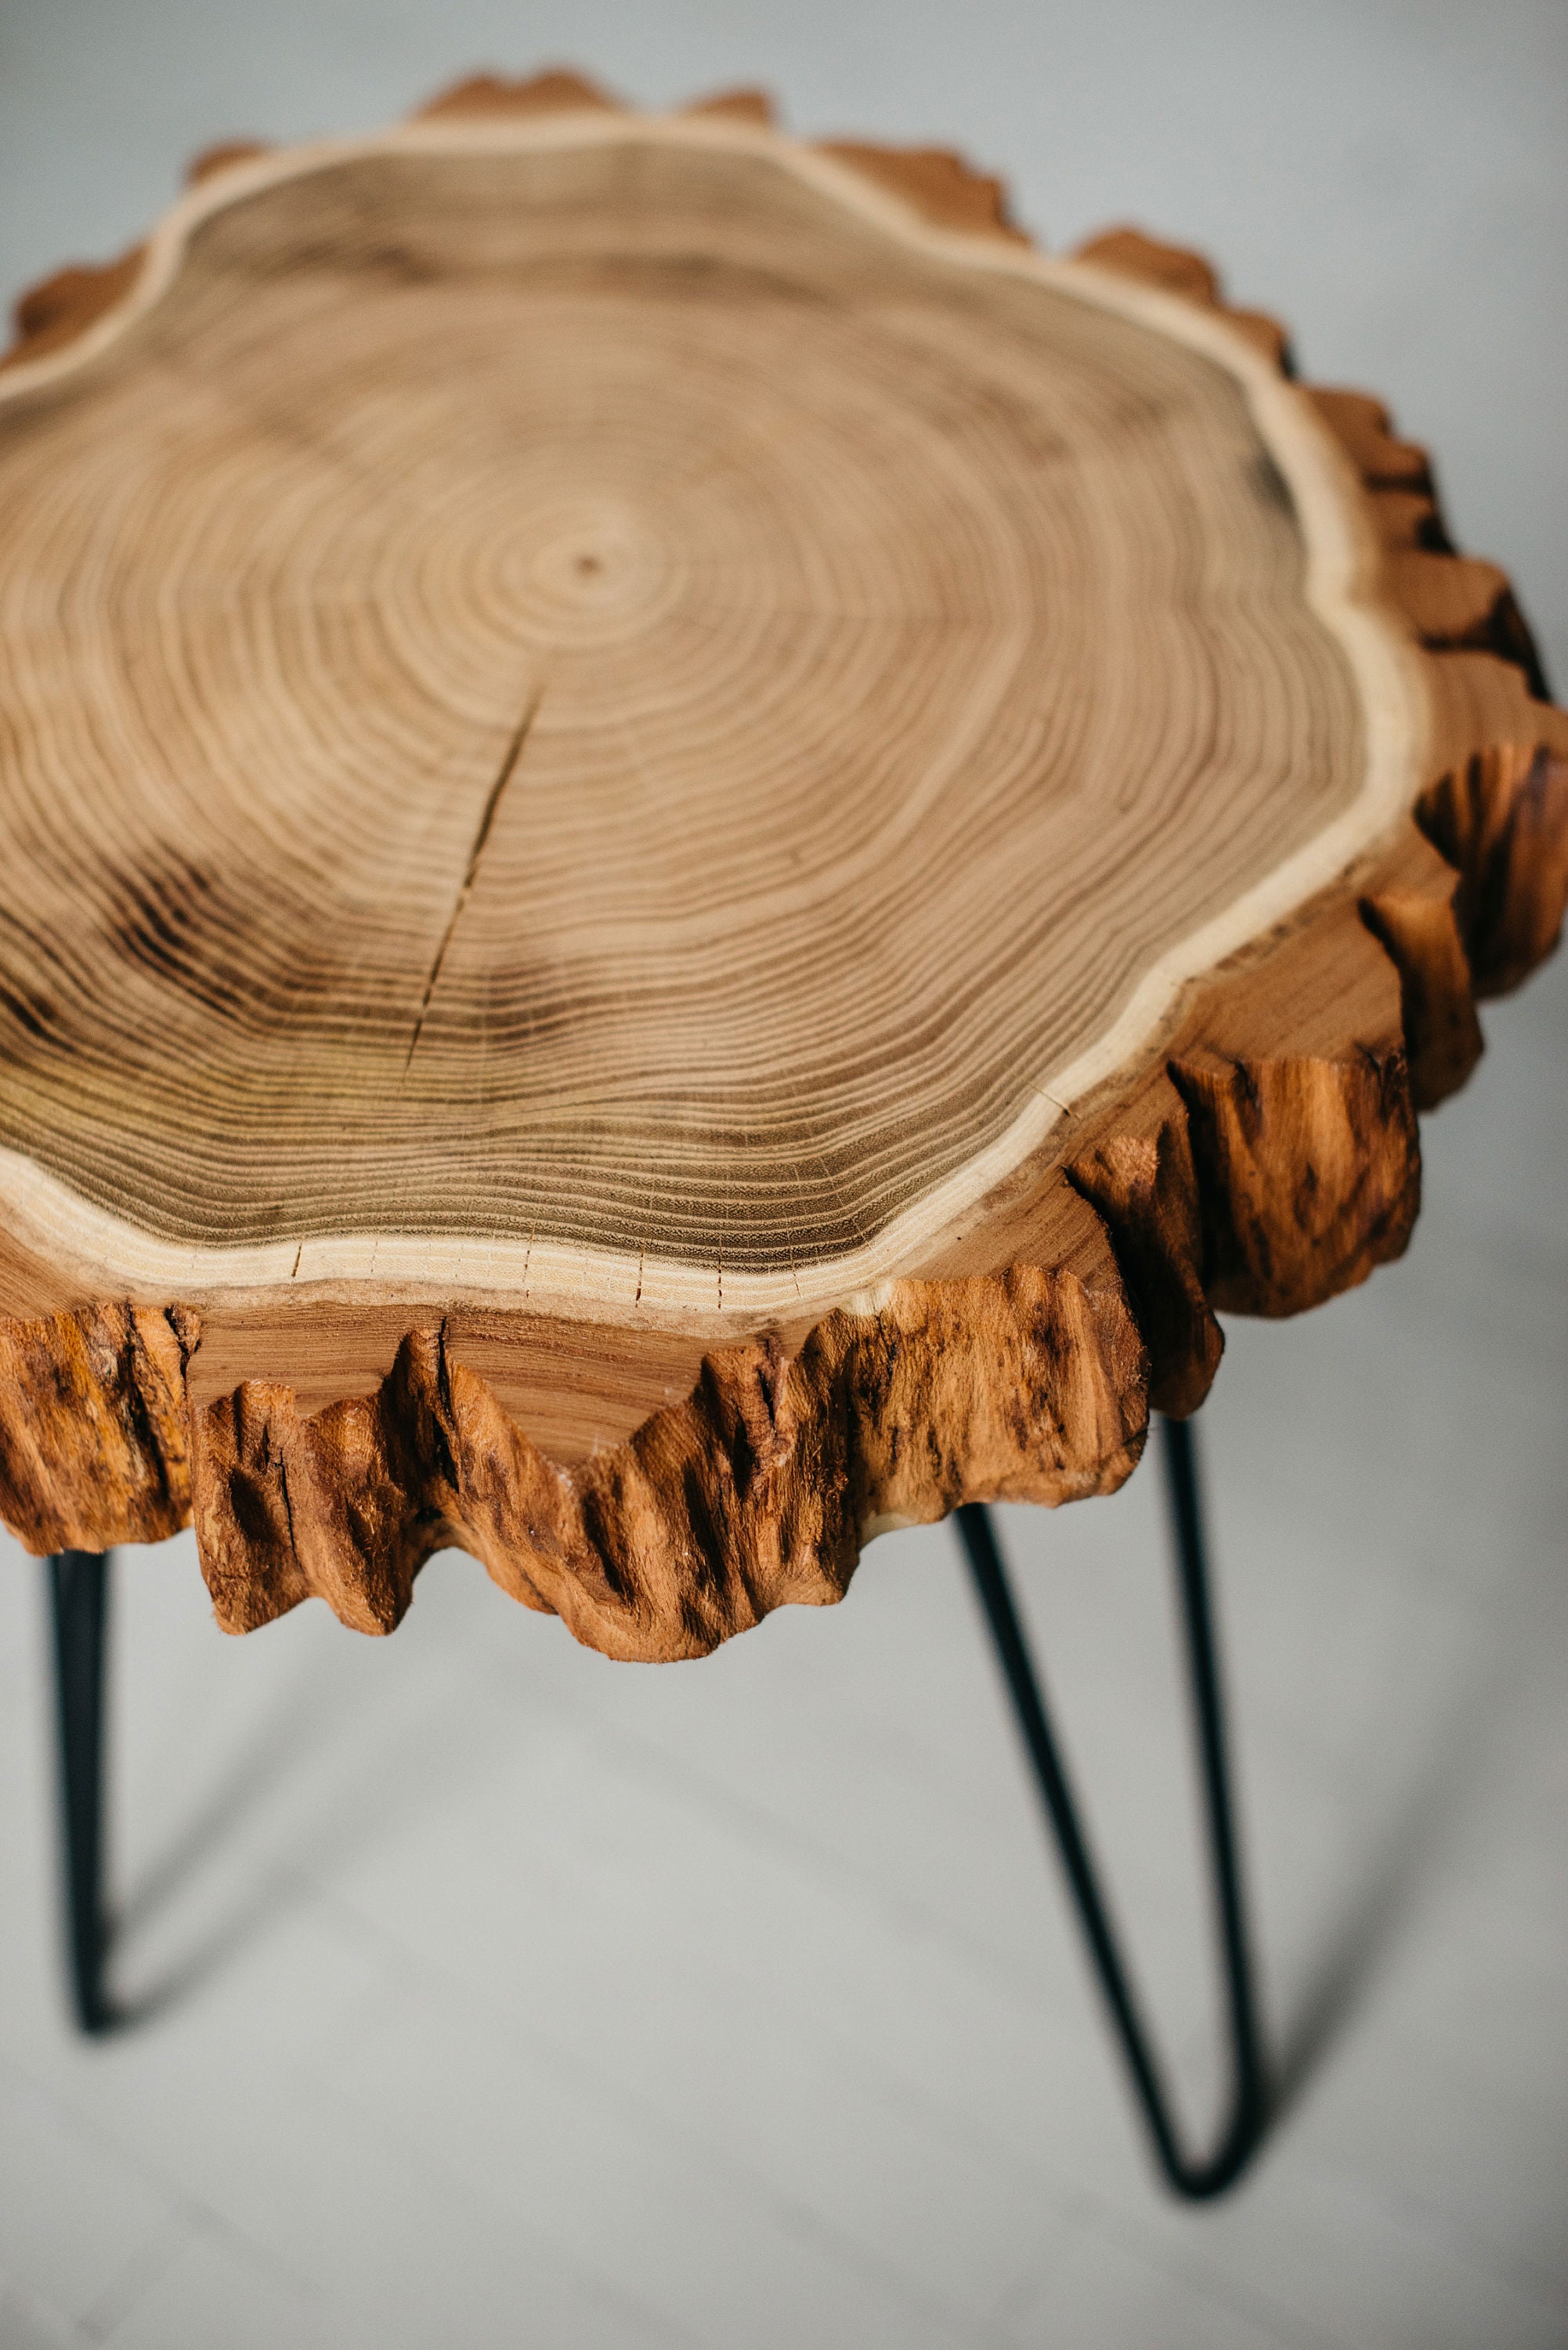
<point>697,856</point>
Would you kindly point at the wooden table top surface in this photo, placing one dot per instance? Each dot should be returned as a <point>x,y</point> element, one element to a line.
<point>696,853</point>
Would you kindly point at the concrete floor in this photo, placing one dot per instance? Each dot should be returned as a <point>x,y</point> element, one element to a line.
<point>488,1993</point>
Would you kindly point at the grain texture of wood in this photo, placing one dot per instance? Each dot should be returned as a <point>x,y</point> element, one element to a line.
<point>695,855</point>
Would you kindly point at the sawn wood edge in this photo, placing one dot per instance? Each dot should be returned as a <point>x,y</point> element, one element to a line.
<point>1268,1159</point>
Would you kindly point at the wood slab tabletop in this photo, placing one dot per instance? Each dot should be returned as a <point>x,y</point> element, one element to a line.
<point>693,854</point>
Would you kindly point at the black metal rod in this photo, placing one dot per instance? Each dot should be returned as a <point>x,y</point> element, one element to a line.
<point>79,1592</point>
<point>1195,2178</point>
<point>1249,2083</point>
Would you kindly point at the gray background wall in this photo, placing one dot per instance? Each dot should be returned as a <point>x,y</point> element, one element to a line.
<point>488,1994</point>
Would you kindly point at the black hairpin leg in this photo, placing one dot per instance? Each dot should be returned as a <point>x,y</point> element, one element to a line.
<point>79,1592</point>
<point>1249,2111</point>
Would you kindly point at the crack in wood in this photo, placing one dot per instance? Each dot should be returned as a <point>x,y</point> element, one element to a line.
<point>487,819</point>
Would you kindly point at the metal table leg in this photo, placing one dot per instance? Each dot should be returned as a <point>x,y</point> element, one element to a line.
<point>1195,2178</point>
<point>79,1590</point>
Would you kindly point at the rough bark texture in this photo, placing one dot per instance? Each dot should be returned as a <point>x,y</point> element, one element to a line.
<point>1265,1158</point>
<point>757,1490</point>
<point>95,1430</point>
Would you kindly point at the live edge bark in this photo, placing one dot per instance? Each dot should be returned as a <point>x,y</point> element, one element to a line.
<point>1268,1160</point>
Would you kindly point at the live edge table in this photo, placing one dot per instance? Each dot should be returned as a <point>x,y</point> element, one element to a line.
<point>692,854</point>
